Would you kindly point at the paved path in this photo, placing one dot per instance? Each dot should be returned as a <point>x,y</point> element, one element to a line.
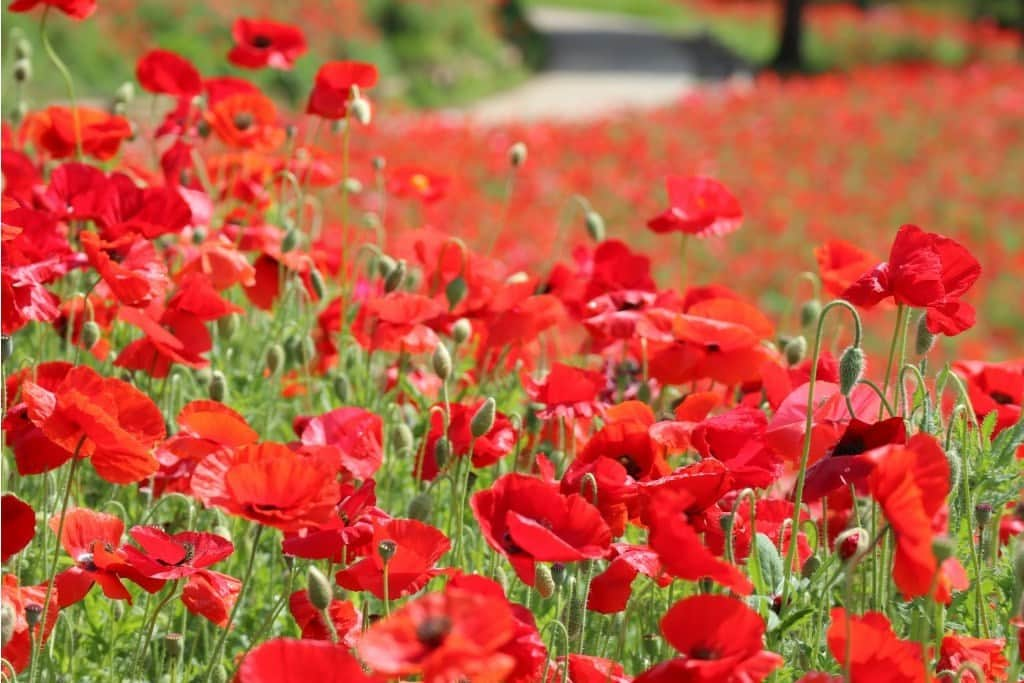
<point>600,63</point>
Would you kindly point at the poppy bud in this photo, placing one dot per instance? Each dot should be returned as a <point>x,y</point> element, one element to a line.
<point>402,436</point>
<point>943,548</point>
<point>118,609</point>
<point>342,388</point>
<point>462,330</point>
<point>361,110</point>
<point>22,48</point>
<point>395,278</point>
<point>316,280</point>
<point>125,93</point>
<point>7,618</point>
<point>595,225</point>
<point>924,340</point>
<point>22,71</point>
<point>442,452</point>
<point>379,163</point>
<point>218,386</point>
<point>483,419</point>
<point>6,347</point>
<point>290,241</point>
<point>118,108</point>
<point>33,614</point>
<point>982,514</point>
<point>385,264</point>
<point>455,291</point>
<point>574,617</point>
<point>90,334</point>
<point>387,549</point>
<point>795,349</point>
<point>307,350</point>
<point>543,581</point>
<point>851,369</point>
<point>222,531</point>
<point>275,358</point>
<point>588,488</point>
<point>725,521</point>
<point>851,544</point>
<point>203,128</point>
<point>353,185</point>
<point>420,507</point>
<point>172,644</point>
<point>219,674</point>
<point>810,567</point>
<point>809,312</point>
<point>517,154</point>
<point>227,325</point>
<point>198,236</point>
<point>442,362</point>
<point>318,588</point>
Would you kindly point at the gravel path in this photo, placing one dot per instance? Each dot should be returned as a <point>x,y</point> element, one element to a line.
<point>600,63</point>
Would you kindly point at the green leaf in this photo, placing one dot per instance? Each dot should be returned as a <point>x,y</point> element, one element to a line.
<point>769,563</point>
<point>1007,441</point>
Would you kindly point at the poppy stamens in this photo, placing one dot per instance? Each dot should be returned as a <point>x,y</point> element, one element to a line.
<point>432,631</point>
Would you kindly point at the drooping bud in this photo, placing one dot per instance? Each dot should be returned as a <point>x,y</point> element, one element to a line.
<point>22,71</point>
<point>442,362</point>
<point>218,386</point>
<point>361,110</point>
<point>385,264</point>
<point>455,291</point>
<point>275,358</point>
<point>851,369</point>
<point>595,225</point>
<point>796,349</point>
<point>442,452</point>
<point>342,388</point>
<point>543,581</point>
<point>401,435</point>
<point>290,241</point>
<point>316,280</point>
<point>387,549</point>
<point>91,334</point>
<point>483,419</point>
<point>219,674</point>
<point>396,277</point>
<point>943,548</point>
<point>517,154</point>
<point>809,312</point>
<point>353,185</point>
<point>851,544</point>
<point>420,507</point>
<point>924,339</point>
<point>318,588</point>
<point>462,330</point>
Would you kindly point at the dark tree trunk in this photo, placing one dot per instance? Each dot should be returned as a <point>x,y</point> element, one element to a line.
<point>790,56</point>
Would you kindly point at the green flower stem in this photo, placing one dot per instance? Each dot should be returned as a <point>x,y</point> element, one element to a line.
<point>66,75</point>
<point>140,652</point>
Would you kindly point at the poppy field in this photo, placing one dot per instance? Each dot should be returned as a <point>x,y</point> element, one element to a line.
<point>725,391</point>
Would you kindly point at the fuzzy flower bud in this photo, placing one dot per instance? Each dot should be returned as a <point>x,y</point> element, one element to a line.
<point>318,588</point>
<point>316,279</point>
<point>483,419</point>
<point>852,544</point>
<point>342,388</point>
<point>396,277</point>
<point>420,507</point>
<point>796,349</point>
<point>90,334</point>
<point>442,451</point>
<point>442,362</point>
<point>809,312</point>
<point>543,581</point>
<point>595,225</point>
<point>275,358</point>
<point>218,386</point>
<point>462,330</point>
<point>361,111</point>
<point>517,154</point>
<point>851,369</point>
<point>924,340</point>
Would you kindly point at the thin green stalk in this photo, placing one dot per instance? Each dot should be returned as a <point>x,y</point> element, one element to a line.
<point>66,75</point>
<point>140,652</point>
<point>901,312</point>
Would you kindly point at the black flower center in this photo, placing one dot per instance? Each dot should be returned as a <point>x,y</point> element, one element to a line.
<point>632,468</point>
<point>1001,398</point>
<point>261,41</point>
<point>190,552</point>
<point>432,631</point>
<point>704,652</point>
<point>243,120</point>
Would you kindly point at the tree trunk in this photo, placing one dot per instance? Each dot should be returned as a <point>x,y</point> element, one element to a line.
<point>789,56</point>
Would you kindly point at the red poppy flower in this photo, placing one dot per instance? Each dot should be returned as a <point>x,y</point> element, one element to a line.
<point>487,449</point>
<point>262,42</point>
<point>211,595</point>
<point>875,653</point>
<point>270,484</point>
<point>528,520</point>
<point>737,438</point>
<point>107,420</point>
<point>163,72</point>
<point>19,525</point>
<point>164,556</point>
<point>76,9</point>
<point>129,266</point>
<point>610,590</point>
<point>120,206</point>
<point>995,387</point>
<point>840,264</point>
<point>846,463</point>
<point>100,133</point>
<point>246,121</point>
<point>177,336</point>
<point>34,453</point>
<point>397,322</point>
<point>588,669</point>
<point>333,85</point>
<point>417,183</point>
<point>356,433</point>
<point>689,490</point>
<point>625,438</point>
<point>986,653</point>
<point>347,535</point>
<point>698,206</point>
<point>25,297</point>
<point>344,616</point>
<point>418,548</point>
<point>457,634</point>
<point>924,270</point>
<point>719,639</point>
<point>93,540</point>
<point>221,263</point>
<point>567,391</point>
<point>18,650</point>
<point>287,660</point>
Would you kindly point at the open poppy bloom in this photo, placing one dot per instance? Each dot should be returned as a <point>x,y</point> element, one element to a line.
<point>332,88</point>
<point>163,72</point>
<point>344,616</point>
<point>19,599</point>
<point>354,432</point>
<point>527,520</point>
<point>487,449</point>
<point>76,9</point>
<point>719,640</point>
<point>698,206</point>
<point>211,595</point>
<point>347,533</point>
<point>289,660</point>
<point>924,270</point>
<point>99,133</point>
<point>270,484</point>
<point>840,264</point>
<point>418,547</point>
<point>18,521</point>
<point>417,183</point>
<point>457,634</point>
<point>567,391</point>
<point>610,590</point>
<point>738,439</point>
<point>875,652</point>
<point>398,321</point>
<point>997,387</point>
<point>246,121</point>
<point>163,556</point>
<point>262,42</point>
<point>986,653</point>
<point>129,266</point>
<point>846,462</point>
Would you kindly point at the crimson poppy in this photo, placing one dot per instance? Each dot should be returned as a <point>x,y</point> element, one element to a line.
<point>76,9</point>
<point>567,392</point>
<point>19,648</point>
<point>846,463</point>
<point>418,547</point>
<point>487,449</point>
<point>443,636</point>
<point>738,439</point>
<point>333,85</point>
<point>270,484</point>
<point>344,616</point>
<point>263,42</point>
<point>868,645</point>
<point>25,296</point>
<point>221,263</point>
<point>698,206</point>
<point>610,590</point>
<point>163,72</point>
<point>986,653</point>
<point>589,669</point>
<point>19,525</point>
<point>99,133</point>
<point>287,660</point>
<point>347,533</point>
<point>129,266</point>
<point>93,540</point>
<point>840,264</point>
<point>211,595</point>
<point>689,491</point>
<point>924,270</point>
<point>720,639</point>
<point>995,387</point>
<point>246,121</point>
<point>356,434</point>
<point>398,321</point>
<point>176,336</point>
<point>119,206</point>
<point>164,556</point>
<point>528,520</point>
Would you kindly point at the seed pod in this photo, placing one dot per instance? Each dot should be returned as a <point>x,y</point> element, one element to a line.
<point>796,349</point>
<point>361,111</point>
<point>396,277</point>
<point>442,452</point>
<point>544,582</point>
<point>924,340</point>
<point>342,388</point>
<point>228,325</point>
<point>275,358</point>
<point>517,154</point>
<point>22,71</point>
<point>462,330</point>
<point>943,548</point>
<point>218,386</point>
<point>387,549</point>
<point>172,644</point>
<point>595,226</point>
<point>851,369</point>
<point>402,437</point>
<point>318,588</point>
<point>420,507</point>
<point>982,514</point>
<point>809,312</point>
<point>442,362</point>
<point>316,280</point>
<point>33,614</point>
<point>483,419</point>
